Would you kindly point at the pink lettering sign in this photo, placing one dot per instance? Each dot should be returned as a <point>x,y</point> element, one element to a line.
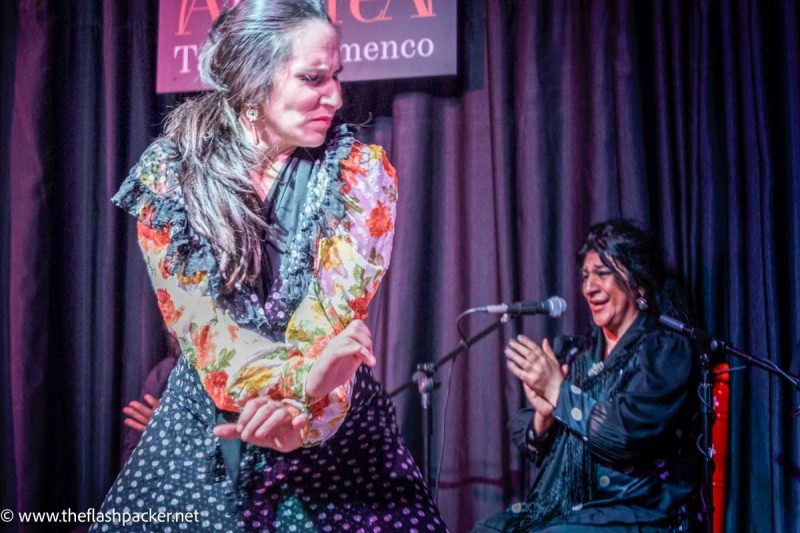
<point>381,39</point>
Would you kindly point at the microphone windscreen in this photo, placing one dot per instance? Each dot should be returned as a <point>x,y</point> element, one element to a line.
<point>556,306</point>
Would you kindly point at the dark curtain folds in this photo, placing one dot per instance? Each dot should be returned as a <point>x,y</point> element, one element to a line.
<point>682,115</point>
<point>8,35</point>
<point>80,327</point>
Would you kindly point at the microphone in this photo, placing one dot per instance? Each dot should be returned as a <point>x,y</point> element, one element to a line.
<point>676,325</point>
<point>555,306</point>
<point>699,336</point>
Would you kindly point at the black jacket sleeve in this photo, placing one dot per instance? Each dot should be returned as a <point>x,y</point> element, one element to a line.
<point>621,430</point>
<point>521,429</point>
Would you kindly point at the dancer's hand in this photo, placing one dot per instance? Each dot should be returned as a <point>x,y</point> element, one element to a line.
<point>266,423</point>
<point>340,359</point>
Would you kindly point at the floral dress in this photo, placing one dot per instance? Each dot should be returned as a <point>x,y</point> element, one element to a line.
<point>335,208</point>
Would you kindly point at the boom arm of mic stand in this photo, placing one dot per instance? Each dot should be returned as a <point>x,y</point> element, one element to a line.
<point>465,345</point>
<point>769,367</point>
<point>710,345</point>
<point>423,379</point>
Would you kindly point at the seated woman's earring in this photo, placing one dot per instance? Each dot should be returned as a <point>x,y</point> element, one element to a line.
<point>252,116</point>
<point>641,303</point>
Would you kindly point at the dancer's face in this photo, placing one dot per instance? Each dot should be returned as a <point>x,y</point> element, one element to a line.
<point>306,92</point>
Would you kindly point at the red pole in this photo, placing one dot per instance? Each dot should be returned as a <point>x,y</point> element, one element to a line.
<point>719,438</point>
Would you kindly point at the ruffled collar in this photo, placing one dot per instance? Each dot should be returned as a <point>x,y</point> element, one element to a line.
<point>153,196</point>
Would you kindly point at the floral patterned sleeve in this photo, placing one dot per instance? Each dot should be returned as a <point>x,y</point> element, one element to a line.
<point>236,363</point>
<point>351,261</point>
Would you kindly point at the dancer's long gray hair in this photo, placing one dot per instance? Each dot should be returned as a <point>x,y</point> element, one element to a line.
<point>246,47</point>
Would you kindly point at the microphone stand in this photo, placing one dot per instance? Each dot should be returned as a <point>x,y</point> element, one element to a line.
<point>423,378</point>
<point>708,346</point>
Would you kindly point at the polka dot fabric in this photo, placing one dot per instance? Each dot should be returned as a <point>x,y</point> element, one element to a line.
<point>361,480</point>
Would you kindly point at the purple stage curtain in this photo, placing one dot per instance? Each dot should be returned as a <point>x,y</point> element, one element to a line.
<point>682,115</point>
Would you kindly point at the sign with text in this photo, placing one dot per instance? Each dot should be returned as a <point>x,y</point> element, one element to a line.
<point>380,39</point>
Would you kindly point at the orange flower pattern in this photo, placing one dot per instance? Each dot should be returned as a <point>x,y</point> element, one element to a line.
<point>236,363</point>
<point>359,306</point>
<point>204,347</point>
<point>215,384</point>
<point>149,238</point>
<point>167,307</point>
<point>380,221</point>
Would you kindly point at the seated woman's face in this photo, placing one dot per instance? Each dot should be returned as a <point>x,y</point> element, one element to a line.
<point>612,306</point>
<point>306,92</point>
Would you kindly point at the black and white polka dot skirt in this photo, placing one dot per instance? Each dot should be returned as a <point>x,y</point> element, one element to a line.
<point>362,479</point>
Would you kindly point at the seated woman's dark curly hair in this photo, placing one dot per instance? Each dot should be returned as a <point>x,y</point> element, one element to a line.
<point>636,260</point>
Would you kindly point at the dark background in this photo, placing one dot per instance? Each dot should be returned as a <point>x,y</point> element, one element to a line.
<point>682,115</point>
